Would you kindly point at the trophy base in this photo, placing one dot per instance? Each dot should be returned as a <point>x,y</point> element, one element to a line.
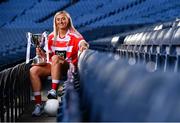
<point>38,61</point>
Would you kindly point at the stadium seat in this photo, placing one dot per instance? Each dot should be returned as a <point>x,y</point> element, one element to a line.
<point>128,95</point>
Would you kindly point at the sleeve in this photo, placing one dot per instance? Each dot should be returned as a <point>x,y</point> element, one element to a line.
<point>49,45</point>
<point>50,42</point>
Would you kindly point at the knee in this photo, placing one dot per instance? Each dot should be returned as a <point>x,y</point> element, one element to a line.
<point>34,71</point>
<point>57,60</point>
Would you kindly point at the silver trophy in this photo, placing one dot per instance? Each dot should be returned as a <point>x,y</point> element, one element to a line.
<point>38,41</point>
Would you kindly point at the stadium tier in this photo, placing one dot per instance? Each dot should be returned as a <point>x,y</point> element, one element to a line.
<point>20,17</point>
<point>129,73</point>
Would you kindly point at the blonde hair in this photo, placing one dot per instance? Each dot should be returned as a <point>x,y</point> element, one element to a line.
<point>70,25</point>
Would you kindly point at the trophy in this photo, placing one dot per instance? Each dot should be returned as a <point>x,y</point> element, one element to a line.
<point>38,41</point>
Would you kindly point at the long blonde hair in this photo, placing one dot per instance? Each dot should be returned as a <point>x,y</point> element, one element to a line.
<point>70,25</point>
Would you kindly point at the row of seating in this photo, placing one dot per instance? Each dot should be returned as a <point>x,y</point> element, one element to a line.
<point>13,9</point>
<point>134,12</point>
<point>69,107</point>
<point>96,13</point>
<point>154,44</point>
<point>87,15</point>
<point>13,32</point>
<point>40,10</point>
<point>159,45</point>
<point>113,90</point>
<point>14,44</point>
<point>108,10</point>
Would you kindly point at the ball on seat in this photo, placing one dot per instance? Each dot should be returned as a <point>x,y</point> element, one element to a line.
<point>51,107</point>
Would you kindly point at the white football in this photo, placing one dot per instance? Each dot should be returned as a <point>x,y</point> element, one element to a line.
<point>51,107</point>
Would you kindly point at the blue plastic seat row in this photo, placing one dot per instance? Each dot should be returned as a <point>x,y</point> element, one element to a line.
<point>119,93</point>
<point>145,12</point>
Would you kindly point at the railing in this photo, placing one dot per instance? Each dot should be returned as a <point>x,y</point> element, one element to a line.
<point>15,92</point>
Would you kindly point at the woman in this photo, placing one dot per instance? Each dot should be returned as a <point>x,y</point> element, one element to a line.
<point>64,43</point>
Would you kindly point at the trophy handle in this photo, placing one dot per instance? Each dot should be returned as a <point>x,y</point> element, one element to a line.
<point>29,37</point>
<point>45,34</point>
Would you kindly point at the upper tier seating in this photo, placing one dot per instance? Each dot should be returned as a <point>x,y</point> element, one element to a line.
<point>19,17</point>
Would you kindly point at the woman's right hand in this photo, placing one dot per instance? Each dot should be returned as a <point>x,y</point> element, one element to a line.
<point>40,52</point>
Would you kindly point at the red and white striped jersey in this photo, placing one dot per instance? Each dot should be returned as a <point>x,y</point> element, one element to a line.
<point>69,44</point>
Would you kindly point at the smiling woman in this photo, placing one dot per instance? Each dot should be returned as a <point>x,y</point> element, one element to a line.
<point>64,44</point>
<point>62,21</point>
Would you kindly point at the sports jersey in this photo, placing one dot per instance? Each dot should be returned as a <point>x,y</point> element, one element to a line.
<point>68,45</point>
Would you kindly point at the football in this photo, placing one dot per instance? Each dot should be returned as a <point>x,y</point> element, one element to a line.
<point>51,107</point>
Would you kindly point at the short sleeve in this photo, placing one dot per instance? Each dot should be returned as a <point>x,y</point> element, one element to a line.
<point>50,42</point>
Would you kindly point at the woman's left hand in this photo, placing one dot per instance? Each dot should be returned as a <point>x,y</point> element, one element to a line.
<point>83,46</point>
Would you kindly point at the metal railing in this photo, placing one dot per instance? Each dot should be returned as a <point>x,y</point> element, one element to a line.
<point>15,92</point>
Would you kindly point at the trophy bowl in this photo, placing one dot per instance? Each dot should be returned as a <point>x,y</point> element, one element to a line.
<point>38,40</point>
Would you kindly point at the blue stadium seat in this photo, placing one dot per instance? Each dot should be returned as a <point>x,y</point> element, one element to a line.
<point>128,95</point>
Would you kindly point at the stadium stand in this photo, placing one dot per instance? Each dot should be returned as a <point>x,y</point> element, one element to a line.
<point>120,93</point>
<point>130,73</point>
<point>89,17</point>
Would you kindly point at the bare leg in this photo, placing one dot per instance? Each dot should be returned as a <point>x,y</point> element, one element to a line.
<point>55,68</point>
<point>59,67</point>
<point>36,72</point>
